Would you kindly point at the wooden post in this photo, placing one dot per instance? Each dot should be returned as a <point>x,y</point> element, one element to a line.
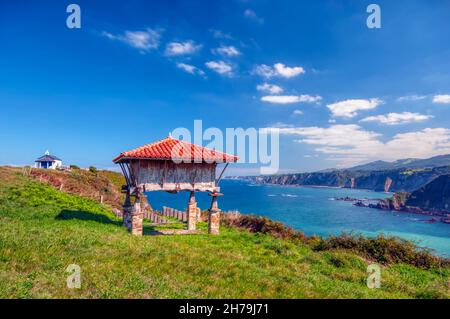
<point>214,215</point>
<point>192,213</point>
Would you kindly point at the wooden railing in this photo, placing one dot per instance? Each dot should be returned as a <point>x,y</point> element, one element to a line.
<point>157,217</point>
<point>174,213</point>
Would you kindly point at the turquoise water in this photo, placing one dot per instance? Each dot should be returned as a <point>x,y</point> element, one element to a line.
<point>313,211</point>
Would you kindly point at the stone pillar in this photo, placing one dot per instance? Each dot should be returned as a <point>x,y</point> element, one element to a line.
<point>133,215</point>
<point>137,218</point>
<point>126,215</point>
<point>192,213</point>
<point>214,215</point>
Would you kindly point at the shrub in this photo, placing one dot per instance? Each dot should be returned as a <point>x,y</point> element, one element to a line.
<point>385,250</point>
<point>93,169</point>
<point>382,249</point>
<point>263,225</point>
<point>74,167</point>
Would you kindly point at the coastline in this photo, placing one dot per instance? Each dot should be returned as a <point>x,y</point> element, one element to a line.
<point>444,216</point>
<point>365,202</point>
<point>304,186</point>
<point>308,186</point>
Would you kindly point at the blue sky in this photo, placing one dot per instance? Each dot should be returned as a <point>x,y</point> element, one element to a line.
<point>341,93</point>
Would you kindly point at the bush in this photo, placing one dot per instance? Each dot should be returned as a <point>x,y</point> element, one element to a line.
<point>382,249</point>
<point>263,225</point>
<point>385,250</point>
<point>74,167</point>
<point>93,169</point>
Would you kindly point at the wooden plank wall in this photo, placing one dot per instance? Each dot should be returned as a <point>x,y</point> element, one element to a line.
<point>159,172</point>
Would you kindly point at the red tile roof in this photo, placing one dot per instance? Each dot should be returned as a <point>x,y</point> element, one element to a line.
<point>163,149</point>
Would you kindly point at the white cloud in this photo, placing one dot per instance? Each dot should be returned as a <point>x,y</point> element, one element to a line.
<point>351,145</point>
<point>442,99</point>
<point>218,34</point>
<point>422,144</point>
<point>182,48</point>
<point>288,72</point>
<point>220,67</point>
<point>297,112</point>
<point>279,70</point>
<point>264,70</point>
<point>248,13</point>
<point>350,108</point>
<point>229,51</point>
<point>289,99</point>
<point>145,40</point>
<point>411,98</point>
<point>190,69</point>
<point>397,118</point>
<point>281,125</point>
<point>271,88</point>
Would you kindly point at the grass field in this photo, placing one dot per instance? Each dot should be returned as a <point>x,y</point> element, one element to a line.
<point>43,230</point>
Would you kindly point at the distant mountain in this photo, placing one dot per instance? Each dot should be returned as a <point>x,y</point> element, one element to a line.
<point>408,163</point>
<point>372,166</point>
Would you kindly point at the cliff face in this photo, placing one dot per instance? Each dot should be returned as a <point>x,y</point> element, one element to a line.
<point>399,180</point>
<point>433,196</point>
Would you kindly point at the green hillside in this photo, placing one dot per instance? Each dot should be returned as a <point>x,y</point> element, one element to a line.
<point>408,163</point>
<point>43,230</point>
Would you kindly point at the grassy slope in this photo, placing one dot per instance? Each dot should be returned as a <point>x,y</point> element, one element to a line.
<point>82,182</point>
<point>43,230</point>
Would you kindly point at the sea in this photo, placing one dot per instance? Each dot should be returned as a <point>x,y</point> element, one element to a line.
<point>315,211</point>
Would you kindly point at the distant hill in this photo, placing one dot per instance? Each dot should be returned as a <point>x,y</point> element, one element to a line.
<point>395,180</point>
<point>44,229</point>
<point>409,163</point>
<point>406,175</point>
<point>87,184</point>
<point>434,196</point>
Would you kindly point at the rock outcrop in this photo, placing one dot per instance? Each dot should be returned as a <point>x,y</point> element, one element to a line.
<point>431,199</point>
